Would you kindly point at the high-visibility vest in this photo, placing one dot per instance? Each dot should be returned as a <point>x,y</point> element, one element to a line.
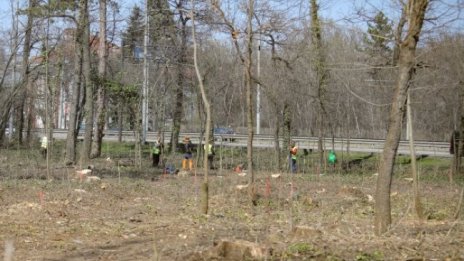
<point>209,150</point>
<point>155,149</point>
<point>332,157</point>
<point>44,143</point>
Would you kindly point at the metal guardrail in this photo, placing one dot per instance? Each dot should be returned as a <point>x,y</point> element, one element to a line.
<point>439,149</point>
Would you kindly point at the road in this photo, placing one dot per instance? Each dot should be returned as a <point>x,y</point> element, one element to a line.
<point>438,149</point>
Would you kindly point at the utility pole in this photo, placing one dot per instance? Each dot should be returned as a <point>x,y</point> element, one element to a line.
<point>48,119</point>
<point>145,77</point>
<point>412,153</point>
<point>258,91</point>
<point>14,9</point>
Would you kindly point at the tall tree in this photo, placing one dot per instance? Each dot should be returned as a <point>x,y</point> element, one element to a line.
<point>249,97</point>
<point>72,133</point>
<point>457,142</point>
<point>181,59</point>
<point>321,76</point>
<point>100,112</point>
<point>7,97</point>
<point>163,47</point>
<point>416,10</point>
<point>378,42</point>
<point>25,72</point>
<point>132,41</point>
<point>246,61</point>
<point>162,27</point>
<point>379,35</point>
<point>88,87</point>
<point>207,106</point>
<point>132,38</point>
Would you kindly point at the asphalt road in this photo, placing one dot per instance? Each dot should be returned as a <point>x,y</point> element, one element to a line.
<point>439,149</point>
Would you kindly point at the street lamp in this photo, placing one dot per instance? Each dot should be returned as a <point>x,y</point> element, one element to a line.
<point>145,77</point>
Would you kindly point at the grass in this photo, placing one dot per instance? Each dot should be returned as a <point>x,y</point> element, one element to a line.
<point>167,208</point>
<point>430,168</point>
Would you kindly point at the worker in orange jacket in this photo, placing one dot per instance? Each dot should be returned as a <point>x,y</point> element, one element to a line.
<point>293,156</point>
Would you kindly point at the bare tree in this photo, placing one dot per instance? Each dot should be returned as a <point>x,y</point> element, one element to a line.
<point>88,87</point>
<point>321,77</point>
<point>246,61</point>
<point>415,14</point>
<point>181,59</point>
<point>25,72</point>
<point>100,112</point>
<point>207,106</point>
<point>76,90</point>
<point>6,99</point>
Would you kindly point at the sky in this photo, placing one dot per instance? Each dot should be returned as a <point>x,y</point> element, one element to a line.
<point>335,9</point>
<point>343,12</point>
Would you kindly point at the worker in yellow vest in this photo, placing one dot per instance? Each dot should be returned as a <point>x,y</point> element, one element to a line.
<point>44,146</point>
<point>156,153</point>
<point>209,149</point>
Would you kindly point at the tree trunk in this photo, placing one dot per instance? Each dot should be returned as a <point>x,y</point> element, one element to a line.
<point>412,151</point>
<point>71,137</point>
<point>249,101</point>
<point>246,61</point>
<point>49,94</point>
<point>458,137</point>
<point>204,188</point>
<point>179,109</point>
<point>7,100</point>
<point>22,92</point>
<point>30,116</point>
<point>19,119</point>
<point>120,122</point>
<point>100,113</point>
<point>88,89</point>
<point>287,128</point>
<point>321,74</point>
<point>460,143</point>
<point>398,33</point>
<point>276,141</point>
<point>407,50</point>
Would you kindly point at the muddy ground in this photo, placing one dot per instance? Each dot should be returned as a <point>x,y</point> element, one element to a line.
<point>133,214</point>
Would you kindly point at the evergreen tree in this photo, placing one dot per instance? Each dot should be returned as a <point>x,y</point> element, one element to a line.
<point>132,40</point>
<point>379,35</point>
<point>162,24</point>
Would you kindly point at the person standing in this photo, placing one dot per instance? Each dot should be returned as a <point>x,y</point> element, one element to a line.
<point>209,149</point>
<point>188,154</point>
<point>44,146</point>
<point>156,153</point>
<point>332,159</point>
<point>293,157</point>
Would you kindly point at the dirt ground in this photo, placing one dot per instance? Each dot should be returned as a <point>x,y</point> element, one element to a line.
<point>147,215</point>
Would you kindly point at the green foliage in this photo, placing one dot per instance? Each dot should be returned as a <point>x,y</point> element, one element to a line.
<point>62,5</point>
<point>119,147</point>
<point>52,8</point>
<point>435,162</point>
<point>300,248</point>
<point>379,35</point>
<point>162,22</point>
<point>124,92</point>
<point>377,255</point>
<point>133,36</point>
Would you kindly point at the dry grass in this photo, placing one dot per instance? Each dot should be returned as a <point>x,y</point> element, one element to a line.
<point>145,215</point>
